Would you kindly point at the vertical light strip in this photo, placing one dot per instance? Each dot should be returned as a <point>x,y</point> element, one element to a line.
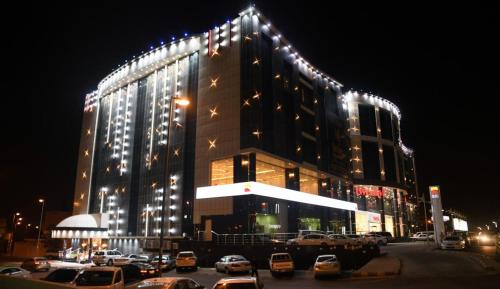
<point>124,129</point>
<point>152,120</point>
<point>110,113</point>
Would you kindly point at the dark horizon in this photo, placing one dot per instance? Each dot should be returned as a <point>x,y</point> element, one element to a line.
<point>432,62</point>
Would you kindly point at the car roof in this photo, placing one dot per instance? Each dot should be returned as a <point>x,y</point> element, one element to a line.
<point>105,268</point>
<point>165,280</point>
<point>233,280</point>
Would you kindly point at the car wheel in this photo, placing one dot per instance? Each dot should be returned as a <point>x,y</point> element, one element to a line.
<point>110,262</point>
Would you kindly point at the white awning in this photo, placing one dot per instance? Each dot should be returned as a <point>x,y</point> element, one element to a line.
<point>259,189</point>
<point>82,226</point>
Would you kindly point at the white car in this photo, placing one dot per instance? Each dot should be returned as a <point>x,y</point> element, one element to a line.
<point>186,260</point>
<point>233,263</point>
<point>376,239</point>
<point>453,243</point>
<point>281,263</point>
<point>168,283</point>
<point>343,240</point>
<point>311,239</point>
<point>129,258</point>
<point>106,257</point>
<point>422,236</point>
<point>239,283</point>
<point>14,271</point>
<point>100,278</point>
<point>326,265</point>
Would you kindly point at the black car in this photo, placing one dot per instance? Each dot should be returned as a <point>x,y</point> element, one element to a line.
<point>63,275</point>
<point>137,271</point>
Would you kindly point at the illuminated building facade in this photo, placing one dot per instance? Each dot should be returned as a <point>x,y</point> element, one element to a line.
<point>383,168</point>
<point>263,145</point>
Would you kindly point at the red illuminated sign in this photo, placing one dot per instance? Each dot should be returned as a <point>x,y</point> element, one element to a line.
<point>369,191</point>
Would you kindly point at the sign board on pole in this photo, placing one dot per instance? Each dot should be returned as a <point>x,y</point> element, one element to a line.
<point>437,214</point>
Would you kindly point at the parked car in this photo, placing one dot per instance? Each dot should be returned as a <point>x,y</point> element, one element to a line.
<point>422,236</point>
<point>137,271</point>
<point>186,260</point>
<point>167,262</point>
<point>233,263</point>
<point>129,258</point>
<point>14,271</point>
<point>36,264</point>
<point>453,242</point>
<point>387,235</point>
<point>239,283</point>
<point>307,232</point>
<point>106,257</point>
<point>326,265</point>
<point>168,283</point>
<point>360,239</point>
<point>281,263</point>
<point>100,278</point>
<point>311,239</point>
<point>63,275</point>
<point>343,240</point>
<point>376,239</point>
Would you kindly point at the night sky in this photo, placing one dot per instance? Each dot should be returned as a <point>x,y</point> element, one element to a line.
<point>439,65</point>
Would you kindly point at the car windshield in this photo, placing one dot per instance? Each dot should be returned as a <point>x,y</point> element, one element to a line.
<point>185,255</point>
<point>281,257</point>
<point>95,278</point>
<point>62,275</point>
<point>326,259</point>
<point>236,286</point>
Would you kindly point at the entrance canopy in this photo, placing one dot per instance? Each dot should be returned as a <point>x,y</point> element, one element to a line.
<point>82,226</point>
<point>259,189</point>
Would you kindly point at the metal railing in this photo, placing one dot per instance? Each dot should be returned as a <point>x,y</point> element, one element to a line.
<point>247,239</point>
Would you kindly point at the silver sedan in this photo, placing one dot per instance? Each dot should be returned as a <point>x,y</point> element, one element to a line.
<point>232,264</point>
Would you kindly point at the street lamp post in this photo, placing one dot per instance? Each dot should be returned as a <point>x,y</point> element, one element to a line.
<point>11,245</point>
<point>181,102</point>
<point>42,201</point>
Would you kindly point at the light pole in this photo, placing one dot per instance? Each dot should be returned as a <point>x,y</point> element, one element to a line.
<point>183,102</point>
<point>11,245</point>
<point>42,201</point>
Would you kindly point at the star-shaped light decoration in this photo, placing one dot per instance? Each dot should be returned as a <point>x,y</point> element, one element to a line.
<point>257,133</point>
<point>211,144</point>
<point>213,82</point>
<point>213,112</point>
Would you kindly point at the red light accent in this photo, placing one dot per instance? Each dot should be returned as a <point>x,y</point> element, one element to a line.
<point>369,191</point>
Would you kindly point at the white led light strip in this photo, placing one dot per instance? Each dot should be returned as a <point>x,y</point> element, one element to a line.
<point>259,189</point>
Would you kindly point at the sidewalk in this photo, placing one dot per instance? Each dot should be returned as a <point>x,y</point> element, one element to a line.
<point>380,266</point>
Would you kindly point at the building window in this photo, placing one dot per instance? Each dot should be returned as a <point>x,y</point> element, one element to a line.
<point>385,124</point>
<point>308,181</point>
<point>270,174</point>
<point>221,172</point>
<point>371,163</point>
<point>389,163</point>
<point>367,120</point>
